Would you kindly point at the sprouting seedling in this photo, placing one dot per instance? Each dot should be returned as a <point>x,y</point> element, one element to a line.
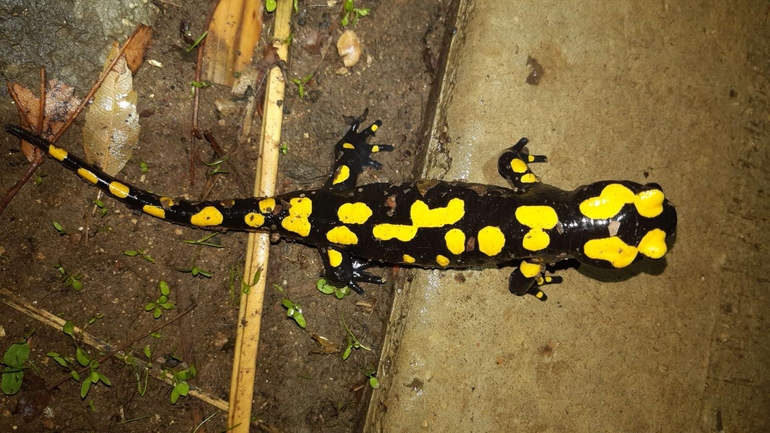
<point>144,167</point>
<point>370,373</point>
<point>195,271</point>
<point>353,342</point>
<point>39,179</point>
<point>162,303</point>
<point>350,13</point>
<point>327,289</point>
<point>294,311</point>
<point>100,205</point>
<point>82,359</point>
<point>141,253</point>
<point>59,228</point>
<point>70,280</point>
<point>181,387</point>
<point>197,85</point>
<point>198,41</point>
<point>205,241</point>
<point>300,82</point>
<point>217,166</point>
<point>13,361</point>
<point>246,287</point>
<point>284,148</point>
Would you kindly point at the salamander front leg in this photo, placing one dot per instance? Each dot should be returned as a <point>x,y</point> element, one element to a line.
<point>527,279</point>
<point>513,165</point>
<point>342,270</point>
<point>352,154</point>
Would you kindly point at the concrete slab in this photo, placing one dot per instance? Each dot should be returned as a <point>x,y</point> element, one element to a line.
<point>670,92</point>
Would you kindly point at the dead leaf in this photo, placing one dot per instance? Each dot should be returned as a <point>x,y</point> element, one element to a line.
<point>137,47</point>
<point>60,103</point>
<point>112,124</point>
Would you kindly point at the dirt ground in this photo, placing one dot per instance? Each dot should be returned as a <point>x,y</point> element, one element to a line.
<point>296,389</point>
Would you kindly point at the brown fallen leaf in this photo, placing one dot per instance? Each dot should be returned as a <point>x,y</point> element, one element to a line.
<point>137,47</point>
<point>112,124</point>
<point>60,103</point>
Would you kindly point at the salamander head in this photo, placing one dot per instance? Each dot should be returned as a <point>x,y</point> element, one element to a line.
<point>629,221</point>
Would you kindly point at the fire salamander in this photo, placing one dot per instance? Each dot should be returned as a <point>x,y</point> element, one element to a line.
<point>429,223</point>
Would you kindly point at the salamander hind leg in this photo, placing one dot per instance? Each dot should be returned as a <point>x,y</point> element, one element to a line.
<point>513,165</point>
<point>352,154</point>
<point>342,270</point>
<point>527,279</point>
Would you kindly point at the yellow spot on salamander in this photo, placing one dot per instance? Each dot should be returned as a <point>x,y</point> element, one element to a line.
<point>529,178</point>
<point>297,221</point>
<point>354,213</point>
<point>653,244</point>
<point>531,158</point>
<point>422,217</point>
<point>374,127</point>
<point>441,260</point>
<point>166,202</point>
<point>613,197</point>
<point>343,173</point>
<point>518,166</point>
<point>208,216</point>
<point>539,219</point>
<point>155,211</point>
<point>118,189</point>
<point>87,175</point>
<point>341,236</point>
<point>491,240</point>
<point>530,270</point>
<point>335,257</point>
<point>408,259</point>
<point>455,241</point>
<point>57,153</point>
<point>266,205</point>
<point>611,249</point>
<point>348,146</point>
<point>649,203</point>
<point>375,148</point>
<point>386,232</point>
<point>253,219</point>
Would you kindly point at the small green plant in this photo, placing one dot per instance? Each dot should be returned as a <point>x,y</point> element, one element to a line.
<point>59,228</point>
<point>70,280</point>
<point>179,381</point>
<point>353,342</point>
<point>195,271</point>
<point>300,82</point>
<point>328,289</point>
<point>13,361</point>
<point>295,312</point>
<point>39,179</point>
<point>197,41</point>
<point>350,13</point>
<point>284,148</point>
<point>270,6</point>
<point>205,241</point>
<point>373,381</point>
<point>217,166</point>
<point>197,85</point>
<point>144,167</point>
<point>140,253</point>
<point>81,358</point>
<point>103,210</point>
<point>162,303</point>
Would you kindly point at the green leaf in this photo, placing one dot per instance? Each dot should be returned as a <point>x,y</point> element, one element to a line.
<point>75,375</point>
<point>174,396</point>
<point>69,328</point>
<point>85,387</point>
<point>287,303</point>
<point>157,312</point>
<point>347,351</point>
<point>131,253</point>
<point>94,376</point>
<point>168,305</point>
<point>300,319</point>
<point>164,290</point>
<point>150,306</point>
<point>82,357</point>
<point>183,388</point>
<point>59,228</point>
<point>270,5</point>
<point>163,299</point>
<point>77,285</point>
<point>147,352</point>
<point>326,289</point>
<point>104,379</point>
<point>11,382</point>
<point>374,383</point>
<point>16,355</point>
